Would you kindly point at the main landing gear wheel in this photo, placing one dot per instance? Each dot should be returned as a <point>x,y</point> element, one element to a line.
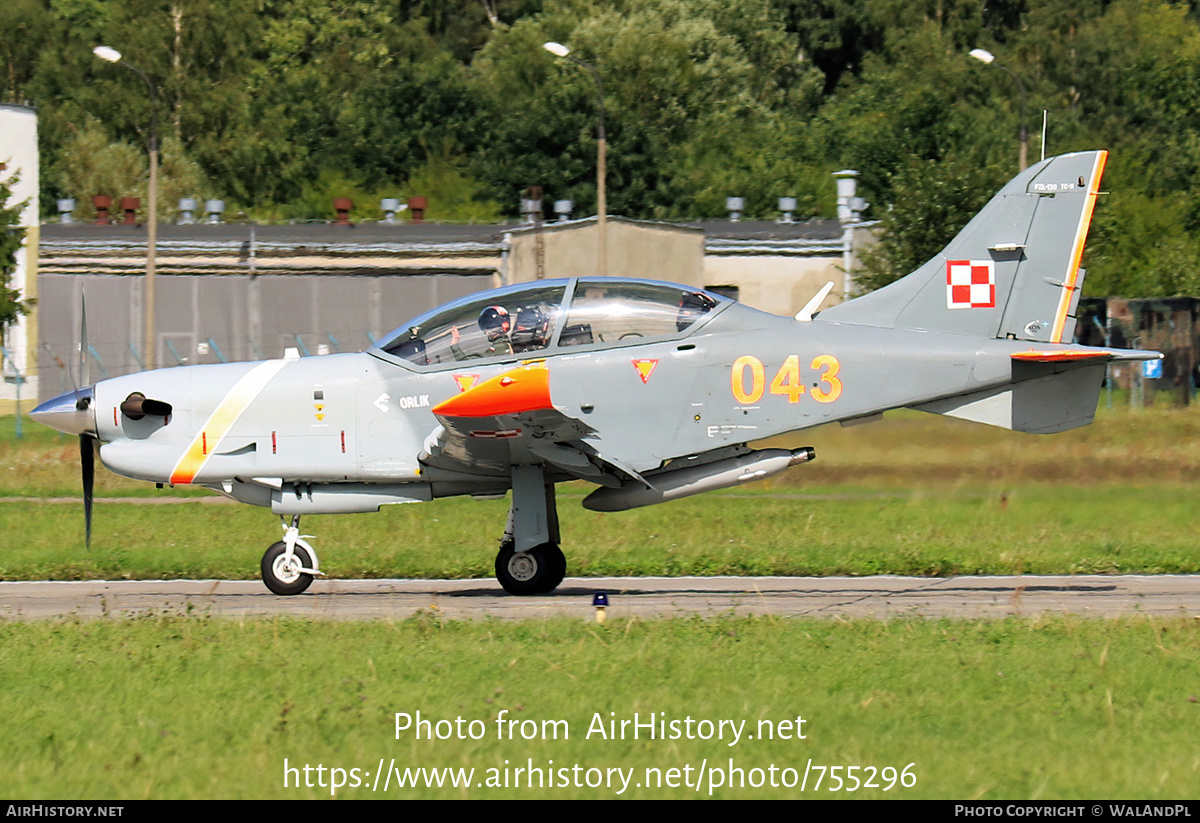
<point>537,571</point>
<point>282,576</point>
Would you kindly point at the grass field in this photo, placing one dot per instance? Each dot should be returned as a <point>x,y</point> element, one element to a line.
<point>913,494</point>
<point>1049,708</point>
<point>1032,529</point>
<point>175,707</point>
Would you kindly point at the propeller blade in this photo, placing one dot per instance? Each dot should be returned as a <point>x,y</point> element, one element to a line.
<point>87,461</point>
<point>85,363</point>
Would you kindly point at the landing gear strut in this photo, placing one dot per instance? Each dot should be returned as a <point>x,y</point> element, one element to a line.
<point>288,567</point>
<point>529,560</point>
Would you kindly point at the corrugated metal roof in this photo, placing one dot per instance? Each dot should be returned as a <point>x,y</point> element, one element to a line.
<point>88,243</point>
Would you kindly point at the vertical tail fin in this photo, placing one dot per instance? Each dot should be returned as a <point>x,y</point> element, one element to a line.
<point>1012,272</point>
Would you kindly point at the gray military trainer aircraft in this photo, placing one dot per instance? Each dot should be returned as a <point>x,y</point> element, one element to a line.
<point>650,391</point>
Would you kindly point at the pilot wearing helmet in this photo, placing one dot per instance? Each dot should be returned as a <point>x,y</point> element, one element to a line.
<point>495,323</point>
<point>529,331</point>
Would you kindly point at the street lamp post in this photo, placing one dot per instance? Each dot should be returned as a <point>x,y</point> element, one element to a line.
<point>559,50</point>
<point>985,56</point>
<point>111,55</point>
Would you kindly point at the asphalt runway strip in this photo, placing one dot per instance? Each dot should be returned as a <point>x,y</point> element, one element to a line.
<point>880,598</point>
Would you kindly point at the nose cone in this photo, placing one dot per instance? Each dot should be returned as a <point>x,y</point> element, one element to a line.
<point>70,413</point>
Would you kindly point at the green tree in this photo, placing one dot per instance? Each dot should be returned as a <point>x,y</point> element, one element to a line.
<point>932,201</point>
<point>932,145</point>
<point>93,165</point>
<point>195,52</point>
<point>675,74</point>
<point>272,104</point>
<point>25,28</point>
<point>12,235</point>
<point>416,106</point>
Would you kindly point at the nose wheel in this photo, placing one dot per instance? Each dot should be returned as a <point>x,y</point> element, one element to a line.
<point>290,565</point>
<point>281,571</point>
<point>536,571</point>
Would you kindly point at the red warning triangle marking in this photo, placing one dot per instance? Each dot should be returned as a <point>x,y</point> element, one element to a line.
<point>465,381</point>
<point>644,368</point>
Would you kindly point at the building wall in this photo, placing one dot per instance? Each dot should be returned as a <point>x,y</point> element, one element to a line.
<point>777,283</point>
<point>780,285</point>
<point>1170,325</point>
<point>208,319</point>
<point>320,294</point>
<point>654,251</point>
<point>19,151</point>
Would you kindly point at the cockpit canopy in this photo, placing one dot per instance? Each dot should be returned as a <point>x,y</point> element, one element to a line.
<point>547,315</point>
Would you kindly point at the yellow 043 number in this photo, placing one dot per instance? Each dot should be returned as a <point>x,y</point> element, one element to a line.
<point>749,379</point>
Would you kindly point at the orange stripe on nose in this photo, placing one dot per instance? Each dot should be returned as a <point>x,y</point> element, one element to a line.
<point>520,390</point>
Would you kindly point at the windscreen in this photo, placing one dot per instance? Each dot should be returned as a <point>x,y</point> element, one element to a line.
<point>508,322</point>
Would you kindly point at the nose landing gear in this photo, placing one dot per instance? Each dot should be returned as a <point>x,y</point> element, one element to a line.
<point>289,566</point>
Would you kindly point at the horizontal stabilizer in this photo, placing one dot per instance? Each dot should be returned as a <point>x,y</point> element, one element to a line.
<point>1045,398</point>
<point>1077,355</point>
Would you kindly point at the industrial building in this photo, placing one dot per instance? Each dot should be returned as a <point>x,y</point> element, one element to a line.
<point>237,291</point>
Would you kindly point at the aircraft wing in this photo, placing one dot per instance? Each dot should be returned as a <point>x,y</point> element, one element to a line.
<point>509,420</point>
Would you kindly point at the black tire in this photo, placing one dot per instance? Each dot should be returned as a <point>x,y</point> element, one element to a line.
<point>278,578</point>
<point>560,568</point>
<point>537,571</point>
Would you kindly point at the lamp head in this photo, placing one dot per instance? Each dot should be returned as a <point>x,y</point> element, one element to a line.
<point>557,49</point>
<point>107,53</point>
<point>982,55</point>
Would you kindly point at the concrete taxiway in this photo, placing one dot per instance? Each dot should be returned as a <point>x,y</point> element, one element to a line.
<point>643,597</point>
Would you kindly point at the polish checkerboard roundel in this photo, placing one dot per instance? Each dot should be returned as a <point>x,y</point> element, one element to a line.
<point>970,284</point>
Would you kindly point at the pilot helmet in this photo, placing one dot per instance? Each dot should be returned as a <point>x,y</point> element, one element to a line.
<point>494,322</point>
<point>532,328</point>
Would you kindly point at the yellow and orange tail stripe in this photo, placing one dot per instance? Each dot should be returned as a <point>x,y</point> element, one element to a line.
<point>227,412</point>
<point>1060,355</point>
<point>1070,282</point>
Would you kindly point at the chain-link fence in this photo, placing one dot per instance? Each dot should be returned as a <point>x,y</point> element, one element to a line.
<point>220,319</point>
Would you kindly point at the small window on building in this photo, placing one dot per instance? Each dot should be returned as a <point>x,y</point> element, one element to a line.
<point>725,291</point>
